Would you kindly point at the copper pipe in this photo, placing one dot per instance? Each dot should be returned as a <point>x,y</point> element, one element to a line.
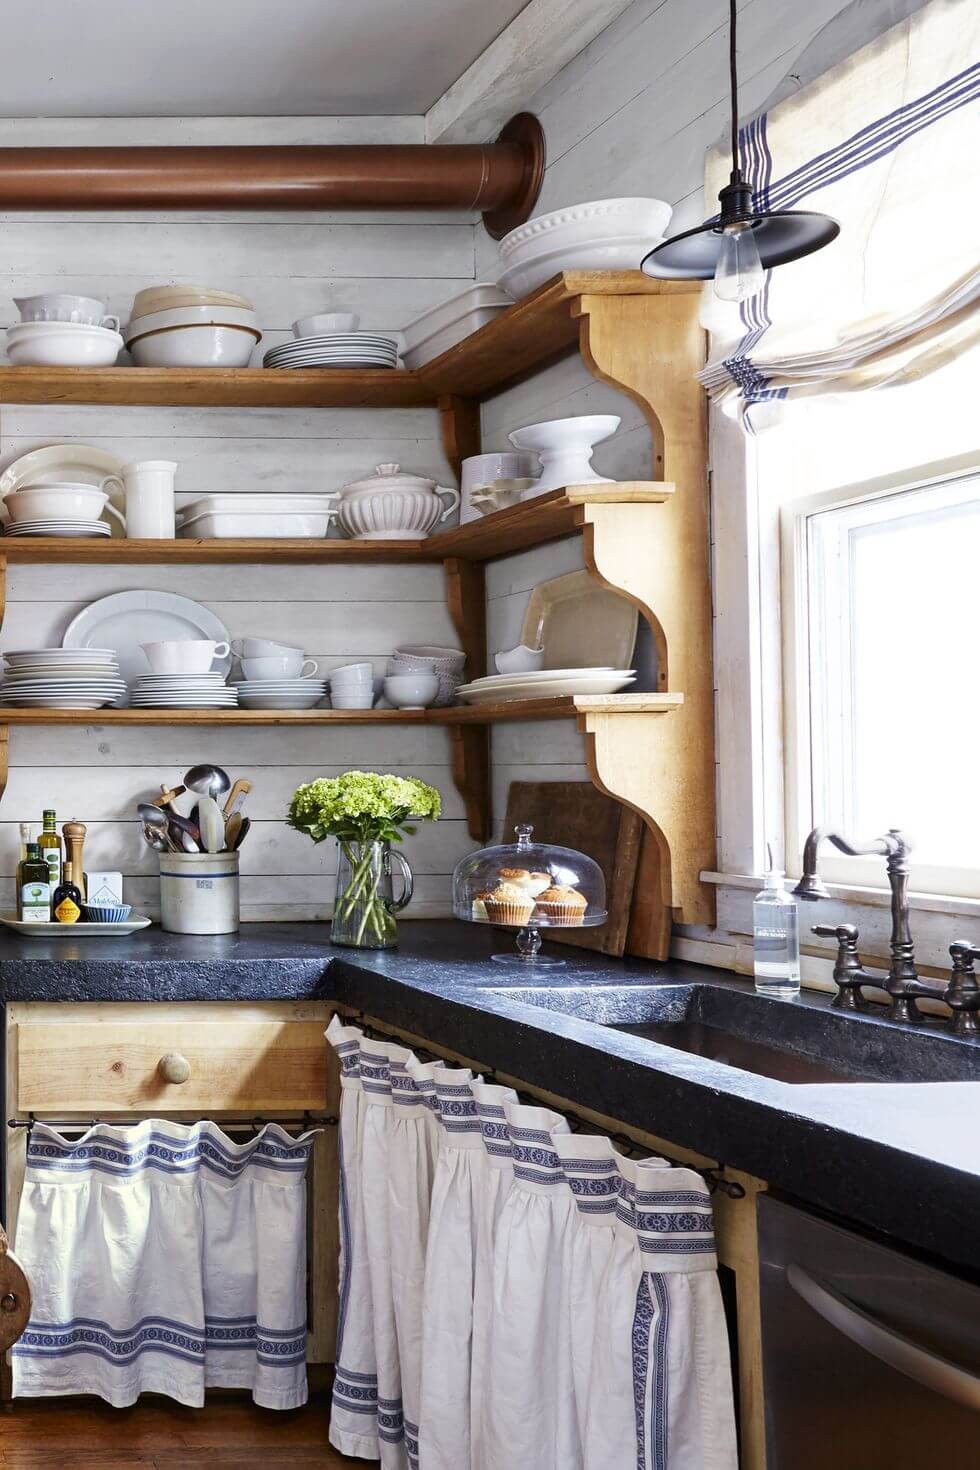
<point>498,178</point>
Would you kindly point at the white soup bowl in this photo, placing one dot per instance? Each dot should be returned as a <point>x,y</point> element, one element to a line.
<point>411,691</point>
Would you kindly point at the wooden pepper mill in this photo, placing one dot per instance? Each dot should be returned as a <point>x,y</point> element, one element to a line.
<point>75,841</point>
<point>15,1296</point>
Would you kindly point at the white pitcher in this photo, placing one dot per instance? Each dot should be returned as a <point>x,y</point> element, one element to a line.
<point>149,485</point>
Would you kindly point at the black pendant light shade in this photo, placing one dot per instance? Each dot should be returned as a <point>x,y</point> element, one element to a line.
<point>778,235</point>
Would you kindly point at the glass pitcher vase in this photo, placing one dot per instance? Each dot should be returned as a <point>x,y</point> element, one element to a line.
<point>365,906</point>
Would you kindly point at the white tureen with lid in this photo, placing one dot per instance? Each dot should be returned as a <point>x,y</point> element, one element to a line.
<point>392,506</point>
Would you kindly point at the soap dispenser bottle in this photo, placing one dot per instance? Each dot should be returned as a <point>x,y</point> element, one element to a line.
<point>776,938</point>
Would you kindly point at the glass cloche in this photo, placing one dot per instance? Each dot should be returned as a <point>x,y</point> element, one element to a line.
<point>529,886</point>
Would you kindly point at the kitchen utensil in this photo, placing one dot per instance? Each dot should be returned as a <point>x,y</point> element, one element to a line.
<point>184,655</point>
<point>519,660</point>
<point>207,781</point>
<point>565,447</point>
<point>440,328</point>
<point>233,826</point>
<point>200,346</point>
<point>30,929</point>
<point>60,306</point>
<point>575,814</point>
<point>279,666</point>
<point>106,913</point>
<point>579,623</point>
<point>183,832</point>
<point>235,799</point>
<point>66,502</point>
<point>167,797</point>
<point>127,620</point>
<point>149,487</point>
<point>243,832</point>
<point>211,824</point>
<point>411,691</point>
<point>392,506</point>
<point>155,819</point>
<point>62,344</point>
<point>156,840</point>
<point>326,323</point>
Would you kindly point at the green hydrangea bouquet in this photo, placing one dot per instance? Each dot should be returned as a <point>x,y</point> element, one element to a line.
<point>366,812</point>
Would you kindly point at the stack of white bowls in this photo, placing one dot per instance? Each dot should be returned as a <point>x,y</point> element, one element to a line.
<point>603,234</point>
<point>65,509</point>
<point>414,659</point>
<point>277,676</point>
<point>353,686</point>
<point>191,326</point>
<point>57,329</point>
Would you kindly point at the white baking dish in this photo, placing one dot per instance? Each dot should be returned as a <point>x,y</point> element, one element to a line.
<point>251,503</point>
<point>221,525</point>
<point>443,326</point>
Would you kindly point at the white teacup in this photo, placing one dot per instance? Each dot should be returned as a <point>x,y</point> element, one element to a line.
<point>352,674</point>
<point>183,655</point>
<point>279,666</point>
<point>352,698</point>
<point>261,648</point>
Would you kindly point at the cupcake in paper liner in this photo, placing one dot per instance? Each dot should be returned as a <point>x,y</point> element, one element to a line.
<point>532,883</point>
<point>509,903</point>
<point>562,906</point>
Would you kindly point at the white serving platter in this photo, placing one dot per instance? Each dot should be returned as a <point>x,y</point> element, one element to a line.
<point>31,929</point>
<point>544,689</point>
<point>125,620</point>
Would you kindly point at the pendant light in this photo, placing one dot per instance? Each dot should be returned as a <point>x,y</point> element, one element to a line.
<point>742,243</point>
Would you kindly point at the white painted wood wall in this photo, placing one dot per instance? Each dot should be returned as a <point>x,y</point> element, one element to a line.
<point>632,114</point>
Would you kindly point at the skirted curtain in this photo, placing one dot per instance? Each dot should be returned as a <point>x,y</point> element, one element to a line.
<point>164,1258</point>
<point>885,142</point>
<point>513,1294</point>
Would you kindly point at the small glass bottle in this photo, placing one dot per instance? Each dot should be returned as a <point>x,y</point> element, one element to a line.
<point>25,840</point>
<point>776,939</point>
<point>51,849</point>
<point>66,901</point>
<point>35,887</point>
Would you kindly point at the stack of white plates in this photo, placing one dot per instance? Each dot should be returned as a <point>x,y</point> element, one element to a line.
<point>62,678</point>
<point>49,527</point>
<point>546,684</point>
<point>335,349</point>
<point>281,693</point>
<point>182,691</point>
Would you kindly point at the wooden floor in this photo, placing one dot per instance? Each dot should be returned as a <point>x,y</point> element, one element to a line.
<point>85,1434</point>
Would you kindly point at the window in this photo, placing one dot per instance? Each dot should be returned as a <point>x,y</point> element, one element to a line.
<point>882,673</point>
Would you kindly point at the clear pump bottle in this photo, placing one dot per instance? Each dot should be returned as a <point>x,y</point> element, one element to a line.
<point>776,938</point>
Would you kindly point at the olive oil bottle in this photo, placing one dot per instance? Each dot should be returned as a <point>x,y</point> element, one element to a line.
<point>66,901</point>
<point>35,888</point>
<point>51,850</point>
<point>25,840</point>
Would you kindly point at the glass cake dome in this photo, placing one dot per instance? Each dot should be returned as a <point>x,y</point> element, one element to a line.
<point>529,886</point>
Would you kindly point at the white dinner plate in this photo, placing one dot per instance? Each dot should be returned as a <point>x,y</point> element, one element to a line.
<point>78,701</point>
<point>70,655</point>
<point>82,930</point>
<point>58,528</point>
<point>544,676</point>
<point>181,681</point>
<point>129,619</point>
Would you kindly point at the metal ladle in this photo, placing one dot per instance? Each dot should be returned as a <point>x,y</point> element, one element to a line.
<point>155,820</point>
<point>207,781</point>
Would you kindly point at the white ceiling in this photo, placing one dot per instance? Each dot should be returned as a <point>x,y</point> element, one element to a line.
<point>263,58</point>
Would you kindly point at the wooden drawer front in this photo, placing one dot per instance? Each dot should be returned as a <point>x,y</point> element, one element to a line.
<point>242,1066</point>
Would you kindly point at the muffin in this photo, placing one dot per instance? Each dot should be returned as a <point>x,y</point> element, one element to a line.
<point>509,903</point>
<point>532,883</point>
<point>562,906</point>
<point>479,908</point>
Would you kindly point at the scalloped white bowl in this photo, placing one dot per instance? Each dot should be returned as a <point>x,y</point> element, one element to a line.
<point>583,224</point>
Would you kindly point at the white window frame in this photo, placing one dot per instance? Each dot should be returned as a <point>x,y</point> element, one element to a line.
<point>795,622</point>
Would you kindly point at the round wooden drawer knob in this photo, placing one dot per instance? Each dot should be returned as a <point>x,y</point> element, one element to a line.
<point>174,1067</point>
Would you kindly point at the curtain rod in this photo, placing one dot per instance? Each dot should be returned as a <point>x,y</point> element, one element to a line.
<point>256,1123</point>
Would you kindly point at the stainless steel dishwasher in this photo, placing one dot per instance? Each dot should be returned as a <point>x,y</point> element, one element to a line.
<point>871,1359</point>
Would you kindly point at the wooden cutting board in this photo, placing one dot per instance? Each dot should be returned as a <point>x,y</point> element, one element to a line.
<point>575,814</point>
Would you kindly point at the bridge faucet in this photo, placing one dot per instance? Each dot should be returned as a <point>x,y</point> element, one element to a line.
<point>902,982</point>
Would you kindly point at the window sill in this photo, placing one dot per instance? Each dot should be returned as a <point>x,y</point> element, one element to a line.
<point>935,903</point>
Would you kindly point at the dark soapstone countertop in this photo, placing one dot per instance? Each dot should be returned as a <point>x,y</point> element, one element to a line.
<point>900,1158</point>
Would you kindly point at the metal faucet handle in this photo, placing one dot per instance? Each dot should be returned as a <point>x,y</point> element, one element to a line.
<point>849,974</point>
<point>962,994</point>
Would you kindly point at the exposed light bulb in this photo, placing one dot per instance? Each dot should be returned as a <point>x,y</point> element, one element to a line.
<point>739,272</point>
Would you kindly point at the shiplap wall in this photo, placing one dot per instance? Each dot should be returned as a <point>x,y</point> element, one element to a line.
<point>386,269</point>
<point>632,115</point>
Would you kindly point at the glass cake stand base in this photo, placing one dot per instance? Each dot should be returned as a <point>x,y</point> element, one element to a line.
<point>528,954</point>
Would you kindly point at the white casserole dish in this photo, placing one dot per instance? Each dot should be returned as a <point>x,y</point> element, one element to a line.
<point>269,524</point>
<point>437,330</point>
<point>245,501</point>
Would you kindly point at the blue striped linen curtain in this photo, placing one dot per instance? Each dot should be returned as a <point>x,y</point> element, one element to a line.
<point>512,1293</point>
<point>164,1258</point>
<point>883,142</point>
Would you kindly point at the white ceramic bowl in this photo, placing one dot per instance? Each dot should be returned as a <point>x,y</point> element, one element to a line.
<point>523,276</point>
<point>292,700</point>
<point>564,447</point>
<point>183,655</point>
<point>279,666</point>
<point>58,502</point>
<point>194,347</point>
<point>352,698</point>
<point>519,660</point>
<point>431,655</point>
<point>583,224</point>
<point>62,344</point>
<point>261,648</point>
<point>61,306</point>
<point>411,691</point>
<point>326,322</point>
<point>390,515</point>
<point>193,316</point>
<point>162,298</point>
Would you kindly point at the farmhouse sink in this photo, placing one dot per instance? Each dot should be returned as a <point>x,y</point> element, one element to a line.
<point>799,1041</point>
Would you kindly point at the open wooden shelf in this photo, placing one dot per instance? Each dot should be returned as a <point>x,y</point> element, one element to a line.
<point>525,337</point>
<point>555,514</point>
